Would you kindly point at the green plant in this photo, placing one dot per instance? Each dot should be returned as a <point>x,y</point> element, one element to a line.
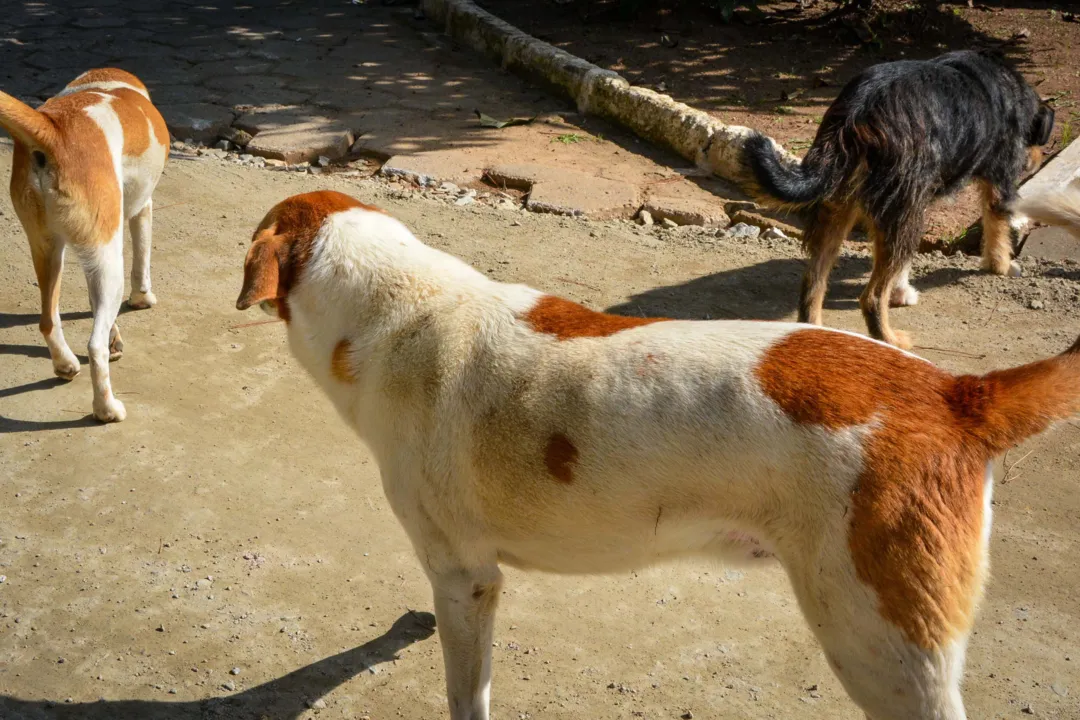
<point>570,138</point>
<point>1067,133</point>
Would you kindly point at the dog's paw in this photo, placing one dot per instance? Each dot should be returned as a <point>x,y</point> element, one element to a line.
<point>1010,269</point>
<point>66,366</point>
<point>109,410</point>
<point>1014,270</point>
<point>905,296</point>
<point>901,340</point>
<point>142,300</point>
<point>116,348</point>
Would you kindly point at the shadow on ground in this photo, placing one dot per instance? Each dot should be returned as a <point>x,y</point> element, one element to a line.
<point>285,698</point>
<point>766,291</point>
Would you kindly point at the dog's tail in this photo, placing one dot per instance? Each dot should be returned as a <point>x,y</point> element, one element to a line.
<point>1005,407</point>
<point>794,184</point>
<point>27,125</point>
<point>1056,207</point>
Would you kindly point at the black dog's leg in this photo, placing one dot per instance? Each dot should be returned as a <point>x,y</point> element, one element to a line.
<point>825,235</point>
<point>999,233</point>
<point>894,250</point>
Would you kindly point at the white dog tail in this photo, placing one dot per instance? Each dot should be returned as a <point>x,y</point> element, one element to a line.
<point>1057,207</point>
<point>26,125</point>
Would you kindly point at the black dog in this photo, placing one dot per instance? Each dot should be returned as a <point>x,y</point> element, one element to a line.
<point>900,135</point>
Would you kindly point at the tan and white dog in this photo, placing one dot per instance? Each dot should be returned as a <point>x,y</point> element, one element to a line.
<point>1059,206</point>
<point>84,163</point>
<point>516,427</point>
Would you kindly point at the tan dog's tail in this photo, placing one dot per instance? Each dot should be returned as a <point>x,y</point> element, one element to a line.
<point>26,124</point>
<point>1005,407</point>
<point>1057,207</point>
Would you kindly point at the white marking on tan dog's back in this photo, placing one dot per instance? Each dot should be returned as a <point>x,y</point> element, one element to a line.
<point>106,85</point>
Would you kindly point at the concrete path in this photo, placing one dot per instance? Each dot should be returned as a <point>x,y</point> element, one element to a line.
<point>293,82</point>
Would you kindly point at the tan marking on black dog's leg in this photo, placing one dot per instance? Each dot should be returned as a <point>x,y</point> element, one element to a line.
<point>997,233</point>
<point>891,256</point>
<point>824,238</point>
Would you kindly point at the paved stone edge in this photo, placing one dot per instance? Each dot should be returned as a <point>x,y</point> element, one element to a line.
<point>693,134</point>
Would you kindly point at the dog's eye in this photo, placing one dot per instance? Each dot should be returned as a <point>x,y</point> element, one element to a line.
<point>39,159</point>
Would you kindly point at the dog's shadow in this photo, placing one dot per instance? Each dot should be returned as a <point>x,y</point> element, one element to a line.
<point>284,698</point>
<point>766,291</point>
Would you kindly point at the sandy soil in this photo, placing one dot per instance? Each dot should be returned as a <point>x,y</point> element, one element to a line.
<point>233,522</point>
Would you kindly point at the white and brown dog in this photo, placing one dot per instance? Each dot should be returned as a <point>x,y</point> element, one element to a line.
<point>516,427</point>
<point>84,163</point>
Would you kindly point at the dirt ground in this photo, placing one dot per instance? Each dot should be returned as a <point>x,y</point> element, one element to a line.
<point>779,72</point>
<point>227,552</point>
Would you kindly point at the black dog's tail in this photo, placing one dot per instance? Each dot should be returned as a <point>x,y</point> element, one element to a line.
<point>792,184</point>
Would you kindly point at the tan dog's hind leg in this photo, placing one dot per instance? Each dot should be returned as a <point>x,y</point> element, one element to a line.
<point>997,235</point>
<point>141,232</point>
<point>465,602</point>
<point>48,258</point>
<point>104,267</point>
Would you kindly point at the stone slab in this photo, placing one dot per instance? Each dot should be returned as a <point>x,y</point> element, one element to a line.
<point>302,141</point>
<point>685,204</point>
<point>1051,243</point>
<point>568,192</point>
<point>198,121</point>
<point>1055,174</point>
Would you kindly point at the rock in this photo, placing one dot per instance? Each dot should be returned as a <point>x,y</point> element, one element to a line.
<point>669,223</point>
<point>1036,305</point>
<point>236,136</point>
<point>744,231</point>
<point>688,715</point>
<point>222,145</point>
<point>467,199</point>
<point>1028,709</point>
<point>248,157</point>
<point>448,187</point>
<point>235,671</point>
<point>318,704</point>
<point>229,685</point>
<point>160,628</point>
<point>177,145</point>
<point>645,217</point>
<point>274,162</point>
<point>323,161</point>
<point>774,233</point>
<point>292,138</point>
<point>198,121</point>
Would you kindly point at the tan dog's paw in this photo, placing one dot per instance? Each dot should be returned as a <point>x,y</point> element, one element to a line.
<point>66,366</point>
<point>1012,269</point>
<point>116,349</point>
<point>142,300</point>
<point>109,410</point>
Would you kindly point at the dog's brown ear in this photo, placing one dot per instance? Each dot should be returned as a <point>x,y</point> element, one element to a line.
<point>264,269</point>
<point>1041,126</point>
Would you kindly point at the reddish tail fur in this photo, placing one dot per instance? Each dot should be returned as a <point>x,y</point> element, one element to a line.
<point>26,124</point>
<point>1005,407</point>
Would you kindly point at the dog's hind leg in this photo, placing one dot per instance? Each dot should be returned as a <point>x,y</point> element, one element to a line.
<point>998,232</point>
<point>48,256</point>
<point>894,250</point>
<point>824,237</point>
<point>104,266</point>
<point>141,231</point>
<point>465,602</point>
<point>885,674</point>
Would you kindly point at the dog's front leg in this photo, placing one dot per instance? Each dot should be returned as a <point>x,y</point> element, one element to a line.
<point>465,600</point>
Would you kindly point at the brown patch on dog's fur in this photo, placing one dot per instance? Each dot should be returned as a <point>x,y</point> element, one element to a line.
<point>134,112</point>
<point>916,520</point>
<point>566,320</point>
<point>560,457</point>
<point>340,365</point>
<point>282,244</point>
